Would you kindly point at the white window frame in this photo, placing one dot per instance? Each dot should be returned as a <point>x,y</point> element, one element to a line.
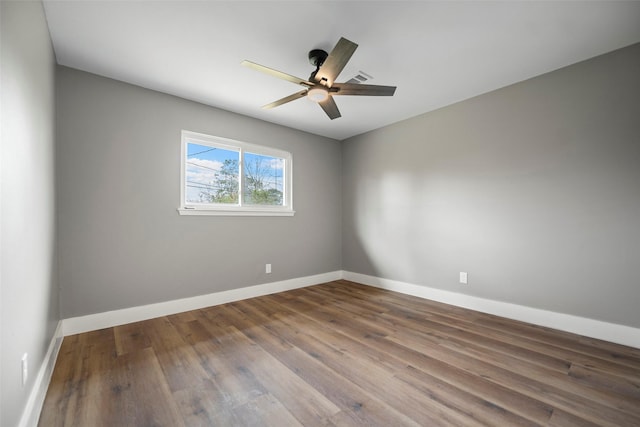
<point>237,209</point>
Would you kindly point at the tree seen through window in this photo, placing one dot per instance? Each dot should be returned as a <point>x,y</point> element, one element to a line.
<point>213,177</point>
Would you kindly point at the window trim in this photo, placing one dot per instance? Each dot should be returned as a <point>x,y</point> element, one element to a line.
<point>235,210</point>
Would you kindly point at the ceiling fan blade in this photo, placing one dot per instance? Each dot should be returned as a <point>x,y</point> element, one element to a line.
<point>286,99</point>
<point>329,106</point>
<point>365,90</point>
<point>276,73</point>
<point>336,61</point>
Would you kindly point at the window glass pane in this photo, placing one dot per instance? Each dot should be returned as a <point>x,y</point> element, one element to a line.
<point>211,174</point>
<point>263,180</point>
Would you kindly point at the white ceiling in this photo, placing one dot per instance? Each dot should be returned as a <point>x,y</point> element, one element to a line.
<point>436,53</point>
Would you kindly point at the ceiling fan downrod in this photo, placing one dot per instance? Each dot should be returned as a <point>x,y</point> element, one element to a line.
<point>316,58</point>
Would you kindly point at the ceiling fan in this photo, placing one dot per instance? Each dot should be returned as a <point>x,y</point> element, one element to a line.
<point>321,86</point>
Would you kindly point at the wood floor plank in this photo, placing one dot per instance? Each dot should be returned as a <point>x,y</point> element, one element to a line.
<point>61,403</point>
<point>234,386</point>
<point>335,351</point>
<point>528,383</point>
<point>282,383</point>
<point>460,334</point>
<point>336,383</point>
<point>206,405</point>
<point>475,407</point>
<point>617,402</point>
<point>609,384</point>
<point>441,313</point>
<point>130,338</point>
<point>358,405</point>
<point>340,354</point>
<point>486,322</point>
<point>460,379</point>
<point>140,394</point>
<point>501,396</point>
<point>178,360</point>
<point>515,328</point>
<point>608,397</point>
<point>266,411</point>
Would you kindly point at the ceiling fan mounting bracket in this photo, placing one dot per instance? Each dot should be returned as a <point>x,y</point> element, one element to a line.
<point>317,57</point>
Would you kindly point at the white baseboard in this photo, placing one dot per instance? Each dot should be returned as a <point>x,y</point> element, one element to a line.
<point>31,413</point>
<point>612,332</point>
<point>92,322</point>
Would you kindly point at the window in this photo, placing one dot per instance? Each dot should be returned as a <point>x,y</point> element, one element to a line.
<point>225,177</point>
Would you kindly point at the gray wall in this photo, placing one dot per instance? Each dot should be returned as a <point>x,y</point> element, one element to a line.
<point>533,189</point>
<point>28,288</point>
<point>121,240</point>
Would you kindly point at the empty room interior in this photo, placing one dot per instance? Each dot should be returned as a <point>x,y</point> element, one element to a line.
<point>451,236</point>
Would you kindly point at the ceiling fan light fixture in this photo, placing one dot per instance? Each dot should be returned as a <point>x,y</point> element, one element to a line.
<point>317,94</point>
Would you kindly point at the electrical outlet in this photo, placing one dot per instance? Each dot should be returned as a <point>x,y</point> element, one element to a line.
<point>25,368</point>
<point>463,278</point>
<point>267,268</point>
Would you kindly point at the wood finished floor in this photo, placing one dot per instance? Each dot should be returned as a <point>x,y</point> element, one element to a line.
<point>340,354</point>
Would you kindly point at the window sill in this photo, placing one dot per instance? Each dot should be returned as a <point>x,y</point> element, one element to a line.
<point>235,212</point>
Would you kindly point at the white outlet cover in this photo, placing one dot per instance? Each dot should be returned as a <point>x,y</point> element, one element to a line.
<point>463,278</point>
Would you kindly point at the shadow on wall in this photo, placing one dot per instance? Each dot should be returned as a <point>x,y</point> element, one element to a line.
<point>415,227</point>
<point>424,227</point>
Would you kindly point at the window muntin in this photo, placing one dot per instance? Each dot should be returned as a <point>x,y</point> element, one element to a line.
<point>226,177</point>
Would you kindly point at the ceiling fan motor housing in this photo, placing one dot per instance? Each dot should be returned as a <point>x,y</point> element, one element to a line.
<point>317,57</point>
